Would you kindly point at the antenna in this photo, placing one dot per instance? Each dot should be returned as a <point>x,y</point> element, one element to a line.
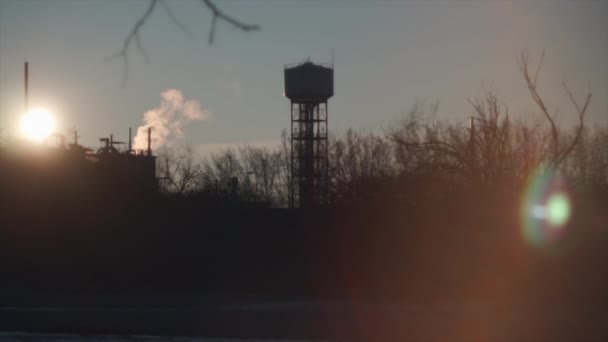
<point>26,77</point>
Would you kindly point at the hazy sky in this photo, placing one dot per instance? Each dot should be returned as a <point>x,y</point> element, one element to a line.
<point>388,55</point>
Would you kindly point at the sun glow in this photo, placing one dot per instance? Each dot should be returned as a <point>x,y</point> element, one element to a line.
<point>37,125</point>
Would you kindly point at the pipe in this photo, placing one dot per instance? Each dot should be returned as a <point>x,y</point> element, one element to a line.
<point>149,141</point>
<point>26,76</point>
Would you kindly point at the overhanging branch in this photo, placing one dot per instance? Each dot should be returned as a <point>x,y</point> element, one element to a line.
<point>134,36</point>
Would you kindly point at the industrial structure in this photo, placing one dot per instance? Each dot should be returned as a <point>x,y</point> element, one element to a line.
<point>114,167</point>
<point>69,167</point>
<point>134,170</point>
<point>309,86</point>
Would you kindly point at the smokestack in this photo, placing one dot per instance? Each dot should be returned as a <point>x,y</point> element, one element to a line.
<point>149,141</point>
<point>26,75</point>
<point>130,140</point>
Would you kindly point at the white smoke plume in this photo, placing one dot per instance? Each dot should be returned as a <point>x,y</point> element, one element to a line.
<point>168,120</point>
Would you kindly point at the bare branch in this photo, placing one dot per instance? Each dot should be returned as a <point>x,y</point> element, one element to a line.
<point>219,14</point>
<point>531,82</point>
<point>436,145</point>
<point>540,64</point>
<point>559,153</point>
<point>174,19</point>
<point>581,111</point>
<point>581,119</point>
<point>212,29</point>
<point>140,47</point>
<point>134,36</point>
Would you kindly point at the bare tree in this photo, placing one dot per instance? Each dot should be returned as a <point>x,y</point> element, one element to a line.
<point>588,164</point>
<point>493,149</point>
<point>359,164</point>
<point>560,149</point>
<point>261,173</point>
<point>219,170</point>
<point>424,145</point>
<point>178,169</point>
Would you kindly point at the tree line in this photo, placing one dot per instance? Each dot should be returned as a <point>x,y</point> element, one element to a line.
<point>491,152</point>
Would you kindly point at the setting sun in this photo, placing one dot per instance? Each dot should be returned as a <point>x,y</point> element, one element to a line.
<point>37,124</point>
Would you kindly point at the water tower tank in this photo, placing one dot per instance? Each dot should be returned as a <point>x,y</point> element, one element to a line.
<point>309,83</point>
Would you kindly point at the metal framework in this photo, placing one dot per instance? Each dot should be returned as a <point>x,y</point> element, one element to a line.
<point>309,157</point>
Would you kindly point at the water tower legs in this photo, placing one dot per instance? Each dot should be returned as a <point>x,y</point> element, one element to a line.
<point>309,155</point>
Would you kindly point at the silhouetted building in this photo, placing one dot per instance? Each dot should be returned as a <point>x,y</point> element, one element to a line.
<point>29,171</point>
<point>135,170</point>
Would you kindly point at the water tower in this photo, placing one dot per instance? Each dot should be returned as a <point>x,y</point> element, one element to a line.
<point>308,86</point>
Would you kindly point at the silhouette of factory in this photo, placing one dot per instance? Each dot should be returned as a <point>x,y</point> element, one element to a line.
<point>110,169</point>
<point>116,167</point>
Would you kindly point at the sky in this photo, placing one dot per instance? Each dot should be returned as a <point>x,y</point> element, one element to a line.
<point>388,56</point>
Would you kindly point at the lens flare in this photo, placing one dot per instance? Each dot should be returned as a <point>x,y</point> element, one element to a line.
<point>546,208</point>
<point>558,210</point>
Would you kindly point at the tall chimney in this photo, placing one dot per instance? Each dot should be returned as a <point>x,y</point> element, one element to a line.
<point>26,75</point>
<point>149,141</point>
<point>130,140</point>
